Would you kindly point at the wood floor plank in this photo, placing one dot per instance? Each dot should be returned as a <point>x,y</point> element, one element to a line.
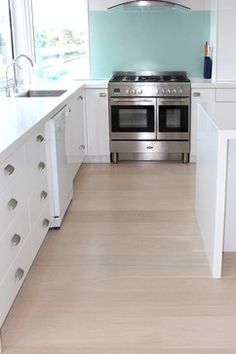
<point>126,273</point>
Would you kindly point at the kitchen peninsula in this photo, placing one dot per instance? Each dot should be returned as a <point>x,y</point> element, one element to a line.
<point>215,180</point>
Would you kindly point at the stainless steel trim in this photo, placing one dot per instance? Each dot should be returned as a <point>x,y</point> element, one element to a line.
<point>39,138</point>
<point>9,169</point>
<point>12,204</point>
<point>144,146</point>
<point>134,100</point>
<point>15,240</point>
<point>19,274</point>
<point>173,101</point>
<point>102,94</point>
<point>41,166</point>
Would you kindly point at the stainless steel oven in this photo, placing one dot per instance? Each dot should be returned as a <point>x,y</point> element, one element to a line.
<point>173,118</point>
<point>133,118</point>
<point>150,114</point>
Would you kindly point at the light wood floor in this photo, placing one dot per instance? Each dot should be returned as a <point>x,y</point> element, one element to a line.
<point>126,274</point>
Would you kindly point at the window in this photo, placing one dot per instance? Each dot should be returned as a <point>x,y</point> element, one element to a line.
<point>5,39</point>
<point>61,38</point>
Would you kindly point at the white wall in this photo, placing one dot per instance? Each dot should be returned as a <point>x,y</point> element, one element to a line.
<point>101,5</point>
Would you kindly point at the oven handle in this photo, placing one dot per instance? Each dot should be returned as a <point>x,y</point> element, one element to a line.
<point>118,100</point>
<point>174,100</point>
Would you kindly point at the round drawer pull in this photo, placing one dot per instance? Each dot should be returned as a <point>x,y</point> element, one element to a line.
<point>9,169</point>
<point>196,94</point>
<point>82,147</point>
<point>15,240</point>
<point>45,223</point>
<point>81,98</point>
<point>43,195</point>
<point>12,204</point>
<point>102,94</point>
<point>19,274</point>
<point>41,166</point>
<point>39,138</point>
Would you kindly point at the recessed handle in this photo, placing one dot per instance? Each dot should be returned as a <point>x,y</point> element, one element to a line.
<point>149,147</point>
<point>82,147</point>
<point>19,274</point>
<point>41,166</point>
<point>12,204</point>
<point>102,94</point>
<point>15,240</point>
<point>81,98</point>
<point>39,138</point>
<point>196,94</point>
<point>45,223</point>
<point>43,195</point>
<point>9,169</point>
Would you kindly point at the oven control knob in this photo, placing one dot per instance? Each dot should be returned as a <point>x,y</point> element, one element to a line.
<point>168,91</point>
<point>181,91</point>
<point>163,91</point>
<point>157,92</point>
<point>132,92</point>
<point>174,91</point>
<point>139,91</point>
<point>127,91</point>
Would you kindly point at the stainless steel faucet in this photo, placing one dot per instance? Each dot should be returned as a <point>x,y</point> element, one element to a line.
<point>15,65</point>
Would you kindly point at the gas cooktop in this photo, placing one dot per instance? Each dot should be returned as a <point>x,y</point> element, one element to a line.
<point>153,77</point>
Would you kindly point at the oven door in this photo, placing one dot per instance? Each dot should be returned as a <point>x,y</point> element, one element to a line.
<point>173,122</point>
<point>133,118</point>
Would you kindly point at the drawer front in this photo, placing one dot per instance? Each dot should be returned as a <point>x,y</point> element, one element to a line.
<point>13,201</point>
<point>203,95</point>
<point>35,147</point>
<point>226,95</point>
<point>38,200</point>
<point>13,280</point>
<point>40,230</point>
<point>12,167</point>
<point>12,241</point>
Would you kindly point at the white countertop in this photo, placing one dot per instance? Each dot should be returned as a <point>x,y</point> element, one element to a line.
<point>223,116</point>
<point>208,83</point>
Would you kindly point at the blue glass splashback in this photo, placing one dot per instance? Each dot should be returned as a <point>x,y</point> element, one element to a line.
<point>149,40</point>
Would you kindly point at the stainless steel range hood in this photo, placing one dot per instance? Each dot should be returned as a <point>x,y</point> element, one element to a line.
<point>149,3</point>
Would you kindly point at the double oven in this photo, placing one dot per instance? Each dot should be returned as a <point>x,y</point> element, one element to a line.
<point>150,115</point>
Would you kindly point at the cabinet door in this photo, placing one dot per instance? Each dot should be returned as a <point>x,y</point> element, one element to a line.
<point>97,125</point>
<point>75,146</point>
<point>198,96</point>
<point>226,51</point>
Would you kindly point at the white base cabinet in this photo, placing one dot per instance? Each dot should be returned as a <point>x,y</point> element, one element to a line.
<point>97,120</point>
<point>198,96</point>
<point>24,204</point>
<point>75,141</point>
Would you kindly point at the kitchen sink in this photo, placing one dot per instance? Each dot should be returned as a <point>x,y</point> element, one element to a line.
<point>41,93</point>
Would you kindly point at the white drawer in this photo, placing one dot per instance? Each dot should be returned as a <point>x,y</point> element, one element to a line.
<point>40,229</point>
<point>38,200</point>
<point>12,167</point>
<point>13,201</point>
<point>12,241</point>
<point>36,147</point>
<point>203,95</point>
<point>13,280</point>
<point>226,95</point>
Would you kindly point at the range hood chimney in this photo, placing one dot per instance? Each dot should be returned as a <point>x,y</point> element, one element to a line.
<point>149,3</point>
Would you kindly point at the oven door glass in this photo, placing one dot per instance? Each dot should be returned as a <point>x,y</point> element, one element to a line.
<point>173,119</point>
<point>133,119</point>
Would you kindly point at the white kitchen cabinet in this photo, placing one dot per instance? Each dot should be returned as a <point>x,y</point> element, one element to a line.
<point>75,141</point>
<point>97,123</point>
<point>223,30</point>
<point>198,96</point>
<point>24,214</point>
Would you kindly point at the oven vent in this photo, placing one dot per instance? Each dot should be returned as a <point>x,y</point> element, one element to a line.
<point>149,3</point>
